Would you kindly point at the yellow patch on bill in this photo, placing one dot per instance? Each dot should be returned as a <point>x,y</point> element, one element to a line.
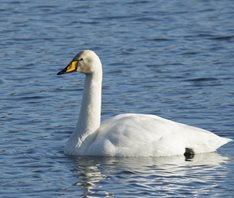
<point>72,66</point>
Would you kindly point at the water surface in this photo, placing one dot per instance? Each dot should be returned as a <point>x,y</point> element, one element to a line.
<point>174,59</point>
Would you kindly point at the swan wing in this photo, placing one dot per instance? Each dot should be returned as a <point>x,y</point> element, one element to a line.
<point>150,135</point>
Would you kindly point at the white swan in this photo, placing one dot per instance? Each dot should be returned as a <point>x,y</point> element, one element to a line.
<point>128,134</point>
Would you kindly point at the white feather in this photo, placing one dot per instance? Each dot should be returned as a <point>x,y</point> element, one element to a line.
<point>130,134</point>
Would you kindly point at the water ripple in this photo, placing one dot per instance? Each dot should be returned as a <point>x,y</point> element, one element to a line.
<point>171,58</point>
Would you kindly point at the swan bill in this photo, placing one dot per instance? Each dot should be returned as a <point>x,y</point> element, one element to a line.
<point>72,67</point>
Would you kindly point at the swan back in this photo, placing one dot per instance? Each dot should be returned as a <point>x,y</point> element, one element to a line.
<point>150,135</point>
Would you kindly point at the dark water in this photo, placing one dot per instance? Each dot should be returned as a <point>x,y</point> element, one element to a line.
<point>170,58</point>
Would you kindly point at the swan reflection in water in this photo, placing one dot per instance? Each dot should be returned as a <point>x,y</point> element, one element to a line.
<point>103,176</point>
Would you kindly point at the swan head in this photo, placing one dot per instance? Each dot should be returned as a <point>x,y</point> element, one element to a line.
<point>86,62</point>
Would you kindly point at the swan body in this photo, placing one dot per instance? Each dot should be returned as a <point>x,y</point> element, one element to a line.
<point>127,135</point>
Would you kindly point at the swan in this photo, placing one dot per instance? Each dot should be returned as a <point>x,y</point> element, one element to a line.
<point>128,135</point>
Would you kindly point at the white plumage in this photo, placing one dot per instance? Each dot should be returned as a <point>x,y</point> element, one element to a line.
<point>128,135</point>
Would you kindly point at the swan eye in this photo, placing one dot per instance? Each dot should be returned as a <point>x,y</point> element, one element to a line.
<point>81,59</point>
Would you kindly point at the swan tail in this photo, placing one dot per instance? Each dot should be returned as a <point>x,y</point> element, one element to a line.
<point>223,141</point>
<point>227,140</point>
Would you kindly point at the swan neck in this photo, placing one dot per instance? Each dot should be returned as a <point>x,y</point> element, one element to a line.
<point>90,113</point>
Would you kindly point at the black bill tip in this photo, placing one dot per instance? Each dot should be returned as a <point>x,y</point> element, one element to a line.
<point>61,72</point>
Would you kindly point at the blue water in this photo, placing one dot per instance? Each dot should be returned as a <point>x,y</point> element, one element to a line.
<point>170,58</point>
